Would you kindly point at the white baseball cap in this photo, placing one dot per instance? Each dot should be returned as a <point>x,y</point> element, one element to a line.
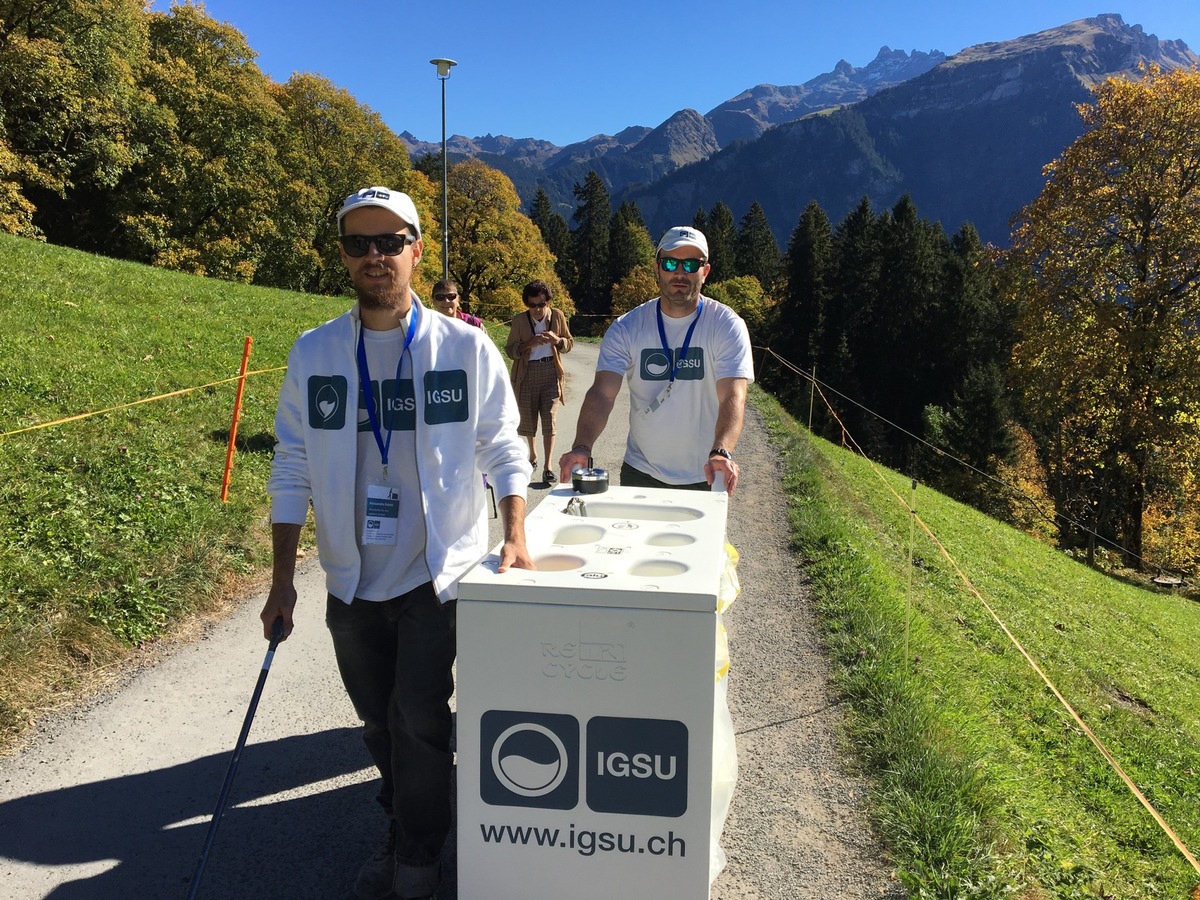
<point>683,236</point>
<point>394,201</point>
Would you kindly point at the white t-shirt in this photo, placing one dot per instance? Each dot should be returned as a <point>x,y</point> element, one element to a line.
<point>541,351</point>
<point>672,442</point>
<point>389,571</point>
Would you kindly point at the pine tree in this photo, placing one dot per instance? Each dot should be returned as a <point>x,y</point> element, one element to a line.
<point>589,246</point>
<point>629,243</point>
<point>557,236</point>
<point>904,351</point>
<point>850,311</point>
<point>757,251</point>
<point>799,327</point>
<point>722,243</point>
<point>976,332</point>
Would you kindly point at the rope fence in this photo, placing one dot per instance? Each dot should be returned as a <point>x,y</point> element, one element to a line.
<point>120,406</point>
<point>240,378</point>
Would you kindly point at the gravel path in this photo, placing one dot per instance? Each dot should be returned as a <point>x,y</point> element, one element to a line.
<point>111,799</point>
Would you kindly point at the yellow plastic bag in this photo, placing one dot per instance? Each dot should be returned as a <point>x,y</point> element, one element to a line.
<point>725,766</point>
<point>727,593</point>
<point>730,585</point>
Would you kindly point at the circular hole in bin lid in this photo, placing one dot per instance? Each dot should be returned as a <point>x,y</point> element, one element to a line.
<point>578,534</point>
<point>670,539</point>
<point>558,562</point>
<point>657,568</point>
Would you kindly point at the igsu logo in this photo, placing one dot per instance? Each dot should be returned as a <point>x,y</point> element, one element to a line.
<point>327,401</point>
<point>399,405</point>
<point>634,767</point>
<point>640,765</point>
<point>446,397</point>
<point>655,365</point>
<point>637,766</point>
<point>529,759</point>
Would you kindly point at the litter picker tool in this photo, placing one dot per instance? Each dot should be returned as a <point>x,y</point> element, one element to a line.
<point>276,637</point>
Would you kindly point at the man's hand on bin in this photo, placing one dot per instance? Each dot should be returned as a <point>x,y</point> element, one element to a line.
<point>575,458</point>
<point>726,467</point>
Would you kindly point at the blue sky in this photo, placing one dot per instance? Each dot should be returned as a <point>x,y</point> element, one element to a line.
<point>565,71</point>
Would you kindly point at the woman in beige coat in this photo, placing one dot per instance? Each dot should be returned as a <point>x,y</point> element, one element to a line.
<point>536,338</point>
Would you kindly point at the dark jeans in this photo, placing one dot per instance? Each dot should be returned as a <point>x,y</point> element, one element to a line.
<point>631,477</point>
<point>395,659</point>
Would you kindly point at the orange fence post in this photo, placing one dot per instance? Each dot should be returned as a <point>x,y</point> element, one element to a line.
<point>237,412</point>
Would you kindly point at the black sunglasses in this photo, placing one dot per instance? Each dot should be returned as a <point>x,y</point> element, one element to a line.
<point>357,245</point>
<point>691,266</point>
<point>445,297</point>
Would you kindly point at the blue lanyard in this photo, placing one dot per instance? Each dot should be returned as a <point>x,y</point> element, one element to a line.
<point>365,376</point>
<point>687,340</point>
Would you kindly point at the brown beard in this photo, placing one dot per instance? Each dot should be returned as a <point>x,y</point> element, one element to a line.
<point>389,297</point>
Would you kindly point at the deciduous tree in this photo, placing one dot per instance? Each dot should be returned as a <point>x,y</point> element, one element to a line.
<point>494,249</point>
<point>1106,268</point>
<point>204,197</point>
<point>635,288</point>
<point>331,145</point>
<point>69,101</point>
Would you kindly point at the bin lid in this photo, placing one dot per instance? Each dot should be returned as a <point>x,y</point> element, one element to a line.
<point>650,548</point>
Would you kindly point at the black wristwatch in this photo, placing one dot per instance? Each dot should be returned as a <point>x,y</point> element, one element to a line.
<point>720,451</point>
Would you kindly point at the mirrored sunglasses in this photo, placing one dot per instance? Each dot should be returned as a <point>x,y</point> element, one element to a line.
<point>357,245</point>
<point>691,266</point>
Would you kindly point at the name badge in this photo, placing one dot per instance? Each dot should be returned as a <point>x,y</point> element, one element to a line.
<point>383,514</point>
<point>659,400</point>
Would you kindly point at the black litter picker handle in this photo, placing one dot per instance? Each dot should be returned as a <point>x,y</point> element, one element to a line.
<point>276,637</point>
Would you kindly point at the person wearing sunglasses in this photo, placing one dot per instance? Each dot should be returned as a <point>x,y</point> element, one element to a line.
<point>687,360</point>
<point>536,340</point>
<point>387,416</point>
<point>445,301</point>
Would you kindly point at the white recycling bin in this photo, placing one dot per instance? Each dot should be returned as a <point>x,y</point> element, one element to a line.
<point>587,702</point>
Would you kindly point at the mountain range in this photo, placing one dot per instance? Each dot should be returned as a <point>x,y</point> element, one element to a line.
<point>966,136</point>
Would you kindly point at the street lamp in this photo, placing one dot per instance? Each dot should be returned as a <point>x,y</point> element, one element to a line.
<point>443,73</point>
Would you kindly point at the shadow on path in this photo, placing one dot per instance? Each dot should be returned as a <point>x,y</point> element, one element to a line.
<point>295,842</point>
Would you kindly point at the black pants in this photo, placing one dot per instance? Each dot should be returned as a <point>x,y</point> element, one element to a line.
<point>631,477</point>
<point>395,658</point>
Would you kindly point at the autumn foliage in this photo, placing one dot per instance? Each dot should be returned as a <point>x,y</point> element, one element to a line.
<point>1106,270</point>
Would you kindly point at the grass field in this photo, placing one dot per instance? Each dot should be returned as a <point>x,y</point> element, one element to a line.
<point>984,783</point>
<point>111,527</point>
<point>112,533</point>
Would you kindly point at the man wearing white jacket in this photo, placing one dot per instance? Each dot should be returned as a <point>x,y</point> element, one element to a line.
<point>387,417</point>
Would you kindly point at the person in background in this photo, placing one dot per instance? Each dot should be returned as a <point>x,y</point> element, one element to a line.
<point>687,360</point>
<point>536,340</point>
<point>445,301</point>
<point>386,415</point>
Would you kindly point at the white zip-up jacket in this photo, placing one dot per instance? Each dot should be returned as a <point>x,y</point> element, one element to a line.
<point>466,424</point>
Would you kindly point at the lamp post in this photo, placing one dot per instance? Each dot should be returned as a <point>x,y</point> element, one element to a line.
<point>443,73</point>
